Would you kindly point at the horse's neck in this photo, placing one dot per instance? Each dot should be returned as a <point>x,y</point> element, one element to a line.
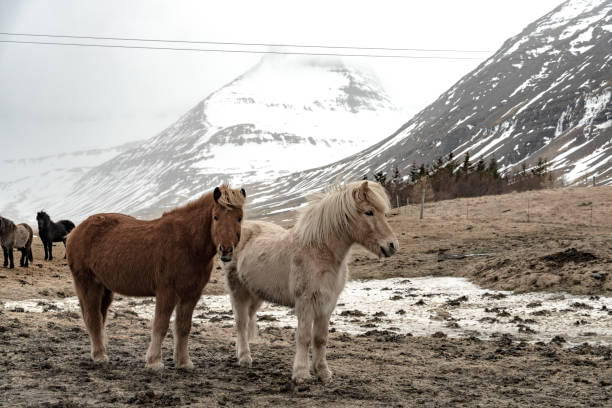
<point>197,224</point>
<point>339,247</point>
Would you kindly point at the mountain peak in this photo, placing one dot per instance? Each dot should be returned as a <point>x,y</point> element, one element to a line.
<point>285,114</point>
<point>288,81</point>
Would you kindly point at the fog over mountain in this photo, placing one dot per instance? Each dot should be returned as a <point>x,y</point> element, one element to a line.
<point>286,114</point>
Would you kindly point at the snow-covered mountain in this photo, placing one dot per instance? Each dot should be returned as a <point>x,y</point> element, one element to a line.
<point>545,93</point>
<point>28,185</point>
<point>284,115</point>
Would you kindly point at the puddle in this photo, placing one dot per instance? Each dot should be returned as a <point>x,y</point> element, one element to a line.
<point>419,306</point>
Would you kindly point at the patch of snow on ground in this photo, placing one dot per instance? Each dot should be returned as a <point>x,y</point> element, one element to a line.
<point>369,304</point>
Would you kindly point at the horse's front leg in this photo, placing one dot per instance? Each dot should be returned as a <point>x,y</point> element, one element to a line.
<point>164,304</point>
<point>241,301</point>
<point>50,245</point>
<point>182,327</point>
<point>303,335</point>
<point>64,241</point>
<point>319,343</point>
<point>11,261</point>
<point>44,241</point>
<point>5,253</point>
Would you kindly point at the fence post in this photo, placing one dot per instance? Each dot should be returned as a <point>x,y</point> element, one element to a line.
<point>594,181</point>
<point>397,202</point>
<point>407,207</point>
<point>467,210</point>
<point>422,202</point>
<point>527,210</point>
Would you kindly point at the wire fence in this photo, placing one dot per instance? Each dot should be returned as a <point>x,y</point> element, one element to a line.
<point>580,206</point>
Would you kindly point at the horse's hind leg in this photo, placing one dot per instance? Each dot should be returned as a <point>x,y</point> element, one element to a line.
<point>91,296</point>
<point>107,299</point>
<point>23,256</point>
<point>164,304</point>
<point>26,256</point>
<point>6,257</point>
<point>182,327</point>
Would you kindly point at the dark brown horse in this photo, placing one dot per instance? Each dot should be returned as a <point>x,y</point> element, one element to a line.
<point>170,258</point>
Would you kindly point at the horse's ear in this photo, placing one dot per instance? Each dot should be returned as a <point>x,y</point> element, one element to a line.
<point>243,192</point>
<point>360,192</point>
<point>217,194</point>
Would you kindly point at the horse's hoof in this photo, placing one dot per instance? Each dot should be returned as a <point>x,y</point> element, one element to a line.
<point>185,366</point>
<point>100,359</point>
<point>246,361</point>
<point>300,376</point>
<point>325,375</point>
<point>155,366</point>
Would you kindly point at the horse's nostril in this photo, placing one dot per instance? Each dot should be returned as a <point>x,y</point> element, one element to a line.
<point>230,250</point>
<point>221,249</point>
<point>391,245</point>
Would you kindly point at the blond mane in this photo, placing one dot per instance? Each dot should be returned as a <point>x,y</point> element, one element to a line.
<point>331,213</point>
<point>231,198</point>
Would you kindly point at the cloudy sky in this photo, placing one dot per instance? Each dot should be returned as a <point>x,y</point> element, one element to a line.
<point>58,98</point>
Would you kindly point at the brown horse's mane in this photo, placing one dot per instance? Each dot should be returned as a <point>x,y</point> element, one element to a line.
<point>230,198</point>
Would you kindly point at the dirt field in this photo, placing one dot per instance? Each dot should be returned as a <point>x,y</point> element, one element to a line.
<point>44,357</point>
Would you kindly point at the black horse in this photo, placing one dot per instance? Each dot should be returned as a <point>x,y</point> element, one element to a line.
<point>50,232</point>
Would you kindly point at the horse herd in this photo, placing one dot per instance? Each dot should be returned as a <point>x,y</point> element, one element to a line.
<point>19,236</point>
<point>171,258</point>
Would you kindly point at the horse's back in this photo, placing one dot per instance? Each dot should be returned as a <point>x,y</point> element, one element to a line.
<point>67,224</point>
<point>23,235</point>
<point>118,250</point>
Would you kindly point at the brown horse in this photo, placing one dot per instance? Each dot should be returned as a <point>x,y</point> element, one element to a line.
<point>15,236</point>
<point>170,258</point>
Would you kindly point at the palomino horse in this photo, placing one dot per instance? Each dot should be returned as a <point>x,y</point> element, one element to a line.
<point>170,258</point>
<point>50,232</point>
<point>306,267</point>
<point>15,236</point>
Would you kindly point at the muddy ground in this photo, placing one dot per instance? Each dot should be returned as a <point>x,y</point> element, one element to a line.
<point>44,357</point>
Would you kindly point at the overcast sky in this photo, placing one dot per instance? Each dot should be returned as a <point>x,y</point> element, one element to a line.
<point>55,99</point>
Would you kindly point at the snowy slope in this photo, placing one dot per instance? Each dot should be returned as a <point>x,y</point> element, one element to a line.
<point>286,114</point>
<point>31,184</point>
<point>545,93</point>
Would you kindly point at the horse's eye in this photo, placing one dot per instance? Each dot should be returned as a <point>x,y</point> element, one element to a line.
<point>369,213</point>
<point>239,219</point>
<point>216,218</point>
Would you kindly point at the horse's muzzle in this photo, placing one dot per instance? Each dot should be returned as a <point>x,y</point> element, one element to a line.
<point>225,254</point>
<point>389,249</point>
